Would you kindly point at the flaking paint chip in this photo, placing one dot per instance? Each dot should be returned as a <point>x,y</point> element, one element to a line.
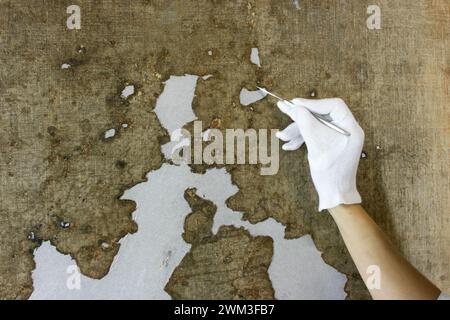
<point>254,57</point>
<point>105,245</point>
<point>127,91</point>
<point>64,224</point>
<point>110,133</point>
<point>81,49</point>
<point>247,97</point>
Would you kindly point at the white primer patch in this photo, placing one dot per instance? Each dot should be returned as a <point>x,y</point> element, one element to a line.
<point>140,270</point>
<point>297,271</point>
<point>127,91</point>
<point>254,57</point>
<point>248,97</point>
<point>174,107</point>
<point>65,66</point>
<point>206,77</point>
<point>147,258</point>
<point>110,133</point>
<point>124,125</point>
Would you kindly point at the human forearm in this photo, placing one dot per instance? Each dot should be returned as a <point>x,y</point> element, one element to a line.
<point>333,160</point>
<point>369,246</point>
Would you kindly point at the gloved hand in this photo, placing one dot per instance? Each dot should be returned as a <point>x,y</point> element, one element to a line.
<point>333,157</point>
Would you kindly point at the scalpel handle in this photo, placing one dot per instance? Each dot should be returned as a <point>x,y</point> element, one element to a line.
<point>332,126</point>
<point>323,121</point>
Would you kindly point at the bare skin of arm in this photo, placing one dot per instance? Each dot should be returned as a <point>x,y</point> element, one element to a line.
<point>368,246</point>
<point>333,160</point>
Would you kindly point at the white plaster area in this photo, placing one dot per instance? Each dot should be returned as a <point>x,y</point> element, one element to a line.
<point>247,97</point>
<point>254,57</point>
<point>174,109</point>
<point>147,258</point>
<point>297,270</point>
<point>174,105</point>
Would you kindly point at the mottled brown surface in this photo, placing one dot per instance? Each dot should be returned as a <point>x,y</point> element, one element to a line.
<point>56,167</point>
<point>229,265</point>
<point>198,224</point>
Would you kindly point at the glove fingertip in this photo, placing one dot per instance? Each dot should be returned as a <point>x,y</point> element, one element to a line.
<point>299,101</point>
<point>283,107</point>
<point>291,146</point>
<point>279,135</point>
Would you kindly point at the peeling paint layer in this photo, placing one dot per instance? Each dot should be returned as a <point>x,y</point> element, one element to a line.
<point>57,167</point>
<point>247,97</point>
<point>141,271</point>
<point>228,265</point>
<point>254,57</point>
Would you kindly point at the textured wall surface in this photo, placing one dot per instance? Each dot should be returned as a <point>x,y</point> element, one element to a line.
<point>61,179</point>
<point>238,260</point>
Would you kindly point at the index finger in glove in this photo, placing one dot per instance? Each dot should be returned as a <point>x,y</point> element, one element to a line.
<point>290,132</point>
<point>335,107</point>
<point>298,114</point>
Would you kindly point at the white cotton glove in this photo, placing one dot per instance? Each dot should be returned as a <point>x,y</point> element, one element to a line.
<point>333,157</point>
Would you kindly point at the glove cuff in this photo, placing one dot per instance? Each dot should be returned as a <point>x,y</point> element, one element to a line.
<point>334,190</point>
<point>339,198</point>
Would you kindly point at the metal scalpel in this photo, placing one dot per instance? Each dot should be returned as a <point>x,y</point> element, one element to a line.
<point>319,117</point>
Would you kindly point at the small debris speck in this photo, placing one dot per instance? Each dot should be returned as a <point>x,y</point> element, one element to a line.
<point>216,123</point>
<point>378,147</point>
<point>127,91</point>
<point>81,49</point>
<point>110,133</point>
<point>363,155</point>
<point>165,261</point>
<point>64,224</point>
<point>124,125</point>
<point>227,259</point>
<point>65,66</point>
<point>120,164</point>
<point>105,245</point>
<point>31,236</point>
